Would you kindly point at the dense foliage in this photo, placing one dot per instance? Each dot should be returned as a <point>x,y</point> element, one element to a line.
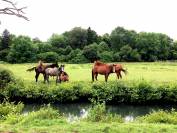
<point>114,92</point>
<point>84,45</point>
<point>6,77</point>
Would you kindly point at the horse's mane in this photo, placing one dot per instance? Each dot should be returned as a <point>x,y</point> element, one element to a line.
<point>40,63</point>
<point>99,63</point>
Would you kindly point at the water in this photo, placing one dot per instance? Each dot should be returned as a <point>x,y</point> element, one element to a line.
<point>80,110</point>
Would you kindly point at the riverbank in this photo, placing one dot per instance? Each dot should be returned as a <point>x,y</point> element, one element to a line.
<point>49,120</point>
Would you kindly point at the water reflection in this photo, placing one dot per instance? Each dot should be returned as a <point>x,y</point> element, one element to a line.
<point>76,111</point>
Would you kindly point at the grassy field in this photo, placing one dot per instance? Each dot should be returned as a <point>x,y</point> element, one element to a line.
<point>155,72</point>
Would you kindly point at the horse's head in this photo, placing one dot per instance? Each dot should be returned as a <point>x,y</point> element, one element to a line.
<point>113,68</point>
<point>61,68</point>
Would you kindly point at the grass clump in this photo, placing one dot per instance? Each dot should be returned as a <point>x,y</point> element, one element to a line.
<point>98,114</point>
<point>9,108</point>
<point>168,117</point>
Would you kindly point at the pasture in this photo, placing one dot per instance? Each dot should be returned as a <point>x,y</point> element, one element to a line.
<point>158,72</point>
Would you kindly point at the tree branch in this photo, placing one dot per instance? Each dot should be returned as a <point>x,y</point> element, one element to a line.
<point>13,10</point>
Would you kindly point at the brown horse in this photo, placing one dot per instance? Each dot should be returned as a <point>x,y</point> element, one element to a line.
<point>103,69</point>
<point>118,70</point>
<point>40,68</point>
<point>64,77</point>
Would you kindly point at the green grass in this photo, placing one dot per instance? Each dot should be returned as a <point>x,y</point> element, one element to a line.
<point>155,72</point>
<point>60,126</point>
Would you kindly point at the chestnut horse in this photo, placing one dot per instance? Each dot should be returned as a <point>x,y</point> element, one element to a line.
<point>118,70</point>
<point>64,77</point>
<point>103,69</point>
<point>40,68</point>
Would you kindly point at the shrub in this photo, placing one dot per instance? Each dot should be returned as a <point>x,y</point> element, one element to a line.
<point>160,117</point>
<point>44,113</point>
<point>7,108</point>
<point>6,77</point>
<point>98,114</point>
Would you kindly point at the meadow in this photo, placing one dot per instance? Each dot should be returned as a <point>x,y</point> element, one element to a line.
<point>160,72</point>
<point>144,82</point>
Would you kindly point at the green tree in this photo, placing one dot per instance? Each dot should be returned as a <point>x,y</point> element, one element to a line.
<point>91,36</point>
<point>22,50</point>
<point>6,42</point>
<point>106,39</point>
<point>48,57</point>
<point>120,37</point>
<point>76,38</point>
<point>153,46</point>
<point>58,41</point>
<point>128,54</point>
<point>91,52</point>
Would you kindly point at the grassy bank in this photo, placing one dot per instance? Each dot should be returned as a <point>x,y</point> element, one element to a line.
<point>140,92</point>
<point>49,120</point>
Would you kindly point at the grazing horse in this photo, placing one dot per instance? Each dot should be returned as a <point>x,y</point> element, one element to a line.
<point>103,69</point>
<point>54,72</point>
<point>40,68</point>
<point>64,77</point>
<point>118,70</point>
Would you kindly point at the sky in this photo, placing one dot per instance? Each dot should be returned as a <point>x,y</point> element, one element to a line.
<point>103,16</point>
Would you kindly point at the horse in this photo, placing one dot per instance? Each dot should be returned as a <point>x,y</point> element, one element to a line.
<point>53,72</point>
<point>40,68</point>
<point>118,70</point>
<point>103,69</point>
<point>64,77</point>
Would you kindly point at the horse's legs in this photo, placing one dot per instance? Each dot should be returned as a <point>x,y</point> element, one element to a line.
<point>44,75</point>
<point>58,79</point>
<point>37,75</point>
<point>106,77</point>
<point>47,77</point>
<point>96,75</point>
<point>120,75</point>
<point>117,75</point>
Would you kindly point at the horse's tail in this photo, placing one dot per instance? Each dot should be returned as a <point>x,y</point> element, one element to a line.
<point>92,75</point>
<point>31,69</point>
<point>124,70</point>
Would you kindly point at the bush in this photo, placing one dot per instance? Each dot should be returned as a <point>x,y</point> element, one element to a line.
<point>160,117</point>
<point>7,108</point>
<point>48,57</point>
<point>98,114</point>
<point>44,113</point>
<point>6,77</point>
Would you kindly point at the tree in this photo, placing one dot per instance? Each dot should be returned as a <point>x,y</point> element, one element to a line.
<point>5,44</point>
<point>76,38</point>
<point>5,40</point>
<point>120,37</point>
<point>12,9</point>
<point>106,39</point>
<point>153,46</point>
<point>48,57</point>
<point>91,52</point>
<point>128,54</point>
<point>58,41</point>
<point>22,50</point>
<point>91,36</point>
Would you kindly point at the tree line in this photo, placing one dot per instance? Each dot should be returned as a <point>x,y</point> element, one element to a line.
<point>81,45</point>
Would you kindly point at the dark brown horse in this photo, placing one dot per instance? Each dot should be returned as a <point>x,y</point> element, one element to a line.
<point>118,70</point>
<point>40,68</point>
<point>103,69</point>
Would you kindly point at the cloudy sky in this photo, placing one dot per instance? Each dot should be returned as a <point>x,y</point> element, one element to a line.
<point>56,16</point>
